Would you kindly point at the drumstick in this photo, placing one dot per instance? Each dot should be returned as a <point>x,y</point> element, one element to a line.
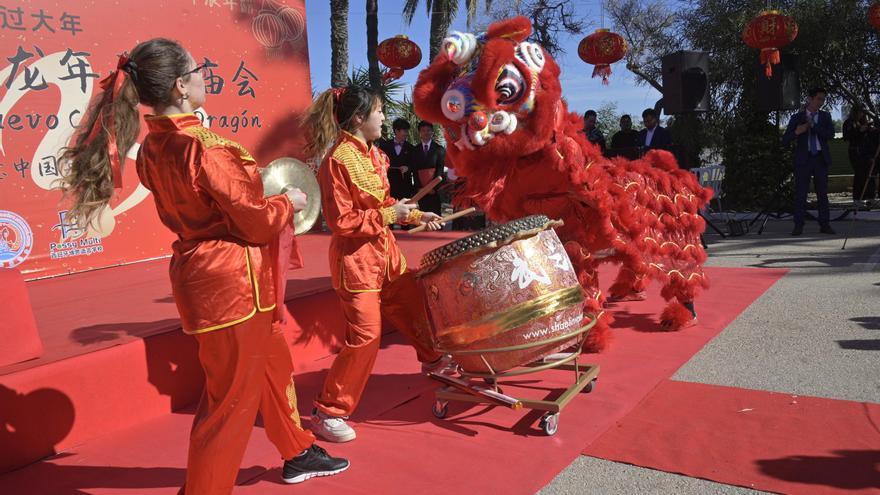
<point>425,190</point>
<point>458,214</point>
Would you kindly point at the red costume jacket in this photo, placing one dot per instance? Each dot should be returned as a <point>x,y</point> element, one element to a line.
<point>208,191</point>
<point>357,206</point>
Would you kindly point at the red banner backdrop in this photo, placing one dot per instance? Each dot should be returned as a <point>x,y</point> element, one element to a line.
<point>52,55</point>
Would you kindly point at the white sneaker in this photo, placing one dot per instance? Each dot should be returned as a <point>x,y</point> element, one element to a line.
<point>331,429</point>
<point>443,366</point>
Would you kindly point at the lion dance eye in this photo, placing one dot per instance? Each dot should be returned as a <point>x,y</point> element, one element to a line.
<point>510,85</point>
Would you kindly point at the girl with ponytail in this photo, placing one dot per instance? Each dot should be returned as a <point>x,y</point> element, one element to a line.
<point>367,268</point>
<point>207,190</point>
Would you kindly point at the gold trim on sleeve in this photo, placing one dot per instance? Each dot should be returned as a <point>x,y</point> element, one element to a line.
<point>415,216</point>
<point>389,216</point>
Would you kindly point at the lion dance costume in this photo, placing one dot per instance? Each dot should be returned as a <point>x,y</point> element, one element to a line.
<point>518,151</point>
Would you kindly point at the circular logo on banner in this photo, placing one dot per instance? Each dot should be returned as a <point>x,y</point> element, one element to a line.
<point>16,239</point>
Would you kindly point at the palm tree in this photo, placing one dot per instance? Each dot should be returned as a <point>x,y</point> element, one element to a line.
<point>338,43</point>
<point>442,14</point>
<point>389,91</point>
<point>373,43</point>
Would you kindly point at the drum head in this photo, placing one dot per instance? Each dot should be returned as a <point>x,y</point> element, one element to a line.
<point>488,238</point>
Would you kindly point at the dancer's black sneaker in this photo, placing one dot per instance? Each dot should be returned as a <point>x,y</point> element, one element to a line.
<point>315,462</point>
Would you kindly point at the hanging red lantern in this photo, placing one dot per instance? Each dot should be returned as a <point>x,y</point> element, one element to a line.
<point>874,15</point>
<point>769,32</point>
<point>398,54</point>
<point>602,49</point>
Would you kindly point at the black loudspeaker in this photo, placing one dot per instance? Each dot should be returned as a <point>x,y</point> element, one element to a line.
<point>685,82</point>
<point>781,91</point>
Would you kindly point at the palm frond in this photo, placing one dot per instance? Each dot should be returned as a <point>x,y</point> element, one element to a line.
<point>409,10</point>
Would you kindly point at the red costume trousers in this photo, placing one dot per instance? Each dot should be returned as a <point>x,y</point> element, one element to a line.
<point>401,303</point>
<point>247,368</point>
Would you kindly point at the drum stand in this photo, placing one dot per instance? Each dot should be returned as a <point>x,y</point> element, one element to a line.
<point>585,376</point>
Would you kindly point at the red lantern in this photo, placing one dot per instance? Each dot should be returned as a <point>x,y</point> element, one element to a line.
<point>602,49</point>
<point>874,15</point>
<point>398,54</point>
<point>769,32</point>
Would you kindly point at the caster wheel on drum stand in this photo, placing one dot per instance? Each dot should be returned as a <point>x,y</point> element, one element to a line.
<point>440,408</point>
<point>550,423</point>
<point>590,386</point>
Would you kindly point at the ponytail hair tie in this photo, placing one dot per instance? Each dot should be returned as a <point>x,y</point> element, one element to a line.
<point>338,93</point>
<point>130,68</point>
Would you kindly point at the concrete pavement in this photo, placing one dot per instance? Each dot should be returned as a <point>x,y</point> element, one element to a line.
<point>815,332</point>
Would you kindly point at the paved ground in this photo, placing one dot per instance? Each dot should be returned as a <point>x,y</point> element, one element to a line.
<point>816,332</point>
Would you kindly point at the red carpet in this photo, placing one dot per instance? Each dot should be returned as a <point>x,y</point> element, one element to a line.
<point>401,447</point>
<point>761,440</point>
<point>115,356</point>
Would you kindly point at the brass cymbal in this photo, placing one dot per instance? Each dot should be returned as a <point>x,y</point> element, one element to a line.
<point>287,173</point>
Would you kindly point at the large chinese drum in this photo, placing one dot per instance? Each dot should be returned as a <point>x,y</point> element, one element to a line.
<point>503,297</point>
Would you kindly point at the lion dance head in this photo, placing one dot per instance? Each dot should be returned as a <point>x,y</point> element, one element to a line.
<point>495,94</point>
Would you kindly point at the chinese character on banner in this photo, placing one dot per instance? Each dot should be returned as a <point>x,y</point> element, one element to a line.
<point>70,23</point>
<point>22,166</point>
<point>49,166</point>
<point>11,19</point>
<point>244,85</point>
<point>78,70</point>
<point>41,17</point>
<point>213,83</point>
<point>30,76</point>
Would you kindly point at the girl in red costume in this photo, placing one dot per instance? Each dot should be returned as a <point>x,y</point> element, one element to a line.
<point>368,270</point>
<point>207,191</point>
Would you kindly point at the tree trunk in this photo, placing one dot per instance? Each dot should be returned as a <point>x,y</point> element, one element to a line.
<point>338,43</point>
<point>441,19</point>
<point>372,44</point>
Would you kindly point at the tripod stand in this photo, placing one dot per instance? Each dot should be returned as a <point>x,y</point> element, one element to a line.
<point>852,222</point>
<point>773,208</point>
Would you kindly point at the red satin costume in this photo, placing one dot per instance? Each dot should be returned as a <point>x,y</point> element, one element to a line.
<point>208,191</point>
<point>368,270</point>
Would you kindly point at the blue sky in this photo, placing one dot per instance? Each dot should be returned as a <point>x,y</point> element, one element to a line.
<point>579,89</point>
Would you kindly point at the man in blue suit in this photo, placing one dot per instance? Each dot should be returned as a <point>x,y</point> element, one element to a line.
<point>653,136</point>
<point>811,128</point>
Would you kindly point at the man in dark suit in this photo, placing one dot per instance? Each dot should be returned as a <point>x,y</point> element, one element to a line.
<point>625,142</point>
<point>653,136</point>
<point>428,162</point>
<point>400,155</point>
<point>811,128</point>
